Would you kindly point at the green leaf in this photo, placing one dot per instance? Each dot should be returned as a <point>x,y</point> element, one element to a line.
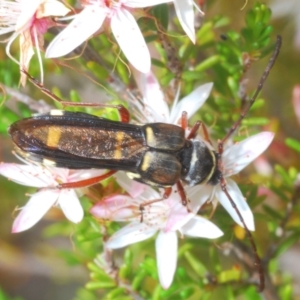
<point>293,144</point>
<point>103,284</point>
<point>229,275</point>
<point>125,270</point>
<point>138,279</point>
<point>273,213</point>
<point>128,256</point>
<point>186,292</point>
<point>283,173</point>
<point>74,96</point>
<point>185,247</point>
<point>286,291</point>
<point>7,118</point>
<point>191,75</point>
<point>157,63</point>
<point>256,121</point>
<point>196,265</point>
<point>251,293</point>
<point>208,63</point>
<point>161,13</point>
<point>94,268</point>
<point>115,293</point>
<point>88,236</point>
<point>287,243</point>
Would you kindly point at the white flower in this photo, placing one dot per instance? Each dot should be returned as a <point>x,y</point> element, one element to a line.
<point>29,19</point>
<point>46,179</point>
<point>290,10</point>
<point>123,25</point>
<point>185,13</point>
<point>296,101</point>
<point>154,108</point>
<point>234,159</point>
<point>168,217</point>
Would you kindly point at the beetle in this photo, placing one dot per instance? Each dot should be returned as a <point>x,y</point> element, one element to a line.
<point>157,154</point>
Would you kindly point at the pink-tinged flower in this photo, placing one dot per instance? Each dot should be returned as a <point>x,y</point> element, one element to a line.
<point>123,25</point>
<point>46,179</point>
<point>168,218</point>
<point>154,108</point>
<point>28,19</point>
<point>296,101</point>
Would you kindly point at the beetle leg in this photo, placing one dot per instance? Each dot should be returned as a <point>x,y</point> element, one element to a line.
<point>184,120</point>
<point>182,194</point>
<point>147,203</point>
<point>86,182</point>
<point>194,131</point>
<point>167,193</point>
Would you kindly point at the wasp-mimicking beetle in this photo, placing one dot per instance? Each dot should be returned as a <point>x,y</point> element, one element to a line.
<point>157,154</point>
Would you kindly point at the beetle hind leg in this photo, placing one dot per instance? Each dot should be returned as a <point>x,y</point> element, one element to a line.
<point>85,182</point>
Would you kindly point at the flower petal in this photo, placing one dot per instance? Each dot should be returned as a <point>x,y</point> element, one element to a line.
<point>200,227</point>
<point>30,175</point>
<point>198,195</point>
<point>191,103</point>
<point>178,217</point>
<point>35,209</point>
<point>116,208</point>
<point>26,53</point>
<point>130,234</point>
<point>132,187</point>
<point>296,101</point>
<point>52,8</point>
<point>28,9</point>
<point>166,246</point>
<point>185,15</point>
<point>79,30</point>
<point>155,108</point>
<point>238,156</point>
<point>70,205</point>
<point>131,40</point>
<point>239,201</point>
<point>77,175</point>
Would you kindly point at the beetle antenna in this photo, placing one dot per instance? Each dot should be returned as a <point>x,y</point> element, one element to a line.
<point>257,259</point>
<point>259,87</point>
<point>263,78</point>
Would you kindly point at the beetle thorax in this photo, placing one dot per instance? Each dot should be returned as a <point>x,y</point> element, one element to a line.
<point>203,166</point>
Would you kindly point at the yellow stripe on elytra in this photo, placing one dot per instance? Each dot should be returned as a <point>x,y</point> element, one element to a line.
<point>150,138</point>
<point>119,140</point>
<point>53,136</point>
<point>146,162</point>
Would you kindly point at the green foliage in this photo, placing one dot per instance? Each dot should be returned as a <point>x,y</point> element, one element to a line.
<point>293,144</point>
<point>206,269</point>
